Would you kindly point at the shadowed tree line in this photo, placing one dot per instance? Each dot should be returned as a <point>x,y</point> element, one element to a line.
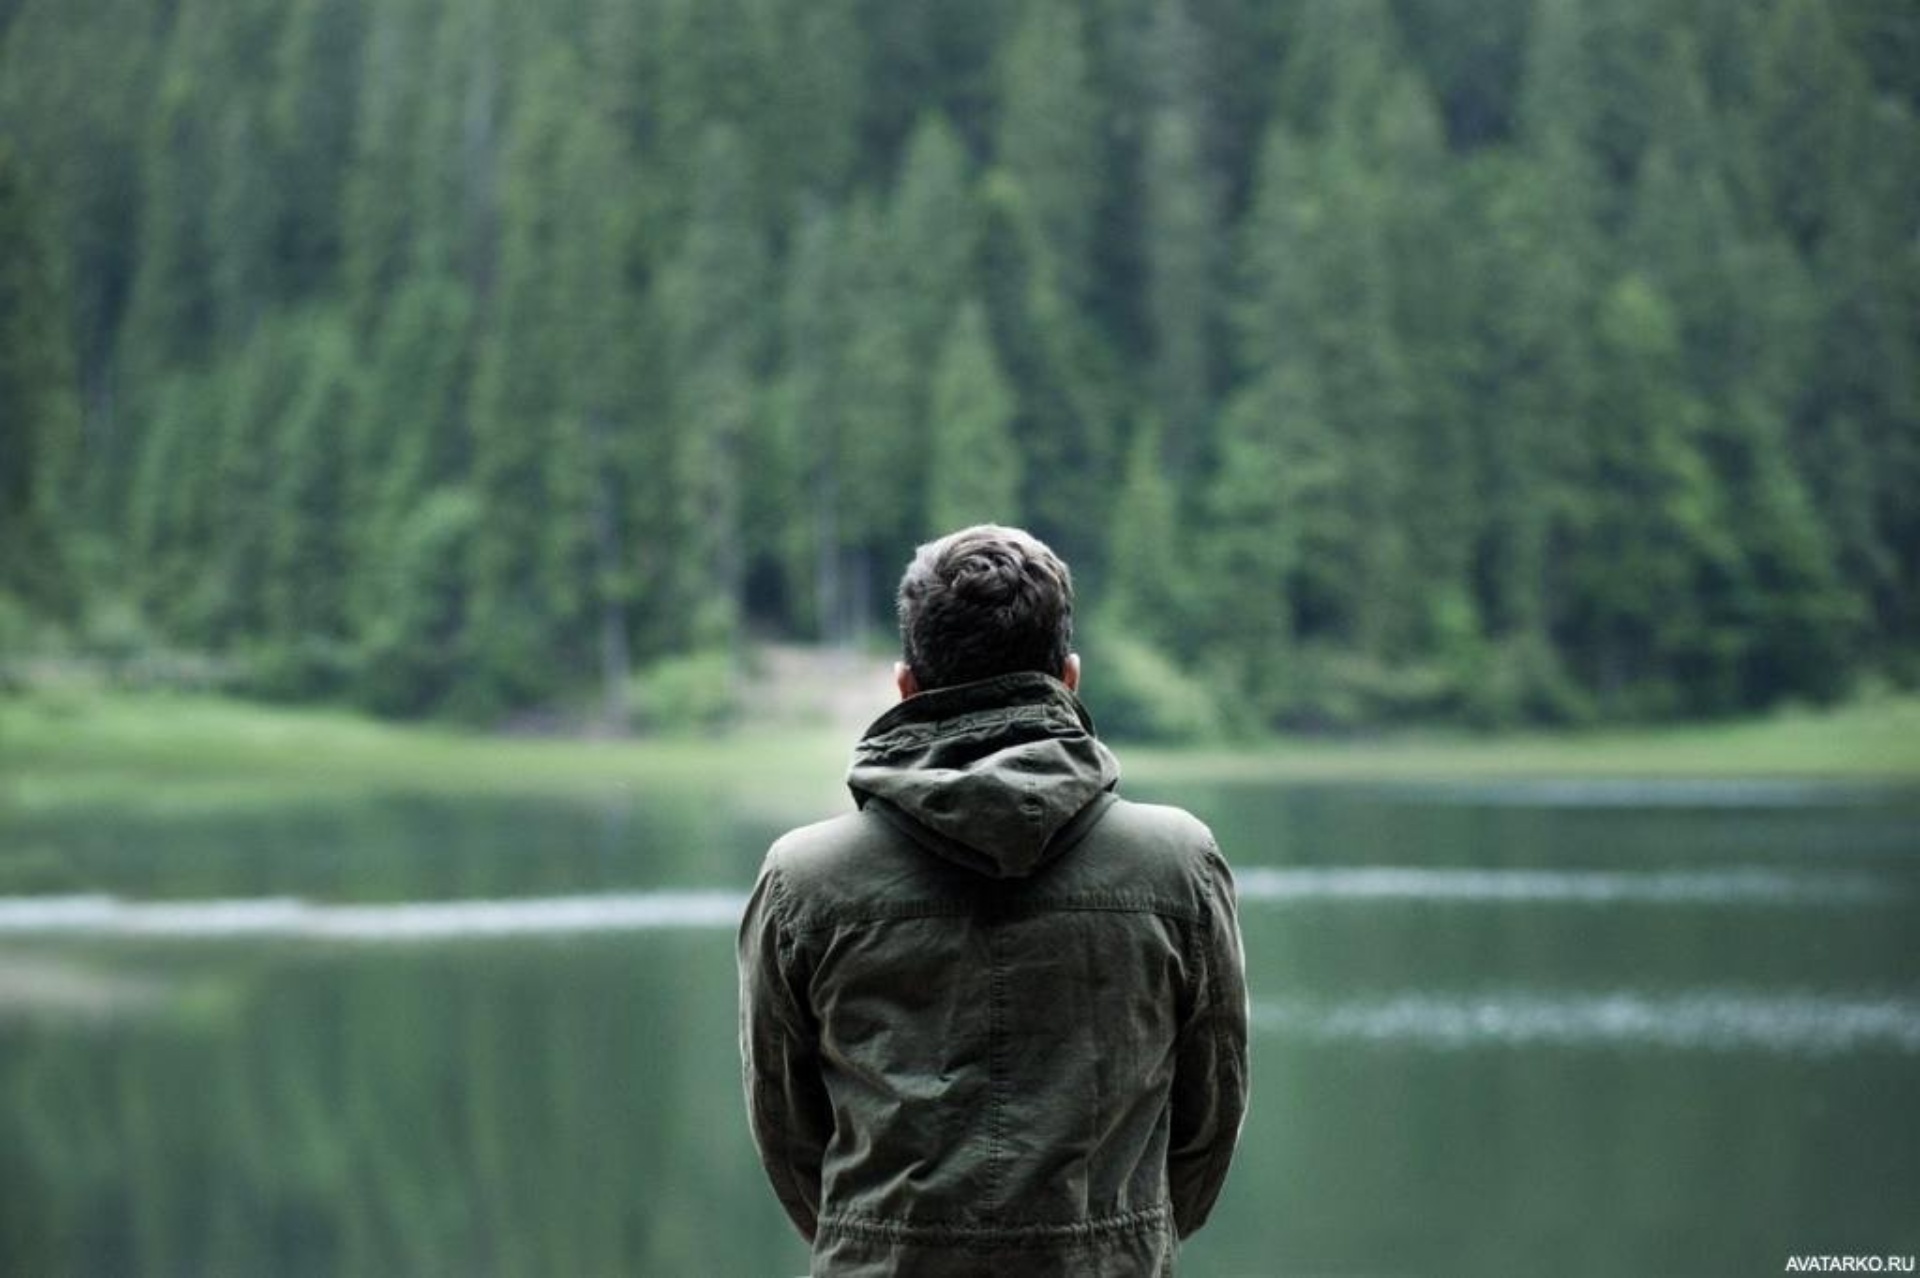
<point>1491,360</point>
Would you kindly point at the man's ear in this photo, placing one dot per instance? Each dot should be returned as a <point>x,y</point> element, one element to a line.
<point>1070,673</point>
<point>903,679</point>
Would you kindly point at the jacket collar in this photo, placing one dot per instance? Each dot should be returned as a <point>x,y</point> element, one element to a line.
<point>994,771</point>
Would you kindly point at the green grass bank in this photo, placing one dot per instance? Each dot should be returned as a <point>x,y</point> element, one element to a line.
<point>80,745</point>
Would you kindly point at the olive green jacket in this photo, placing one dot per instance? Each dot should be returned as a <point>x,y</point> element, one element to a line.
<point>995,1020</point>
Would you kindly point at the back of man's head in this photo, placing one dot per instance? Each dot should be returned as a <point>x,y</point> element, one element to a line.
<point>985,601</point>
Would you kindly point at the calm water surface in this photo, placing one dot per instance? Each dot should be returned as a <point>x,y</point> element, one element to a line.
<point>1558,1027</point>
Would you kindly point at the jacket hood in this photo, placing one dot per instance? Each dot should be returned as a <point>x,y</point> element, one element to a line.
<point>989,773</point>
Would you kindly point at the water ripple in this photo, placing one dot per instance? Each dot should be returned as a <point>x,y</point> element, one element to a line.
<point>1732,885</point>
<point>1793,1023</point>
<point>101,915</point>
<point>401,921</point>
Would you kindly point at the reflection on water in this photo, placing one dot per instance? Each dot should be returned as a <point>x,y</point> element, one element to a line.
<point>1501,1030</point>
<point>1647,792</point>
<point>397,922</point>
<point>1714,1020</point>
<point>290,918</point>
<point>1735,884</point>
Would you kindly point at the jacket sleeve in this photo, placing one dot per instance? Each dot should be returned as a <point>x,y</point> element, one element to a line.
<point>787,1105</point>
<point>1210,1064</point>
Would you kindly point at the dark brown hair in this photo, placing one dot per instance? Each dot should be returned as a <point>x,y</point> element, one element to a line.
<point>985,601</point>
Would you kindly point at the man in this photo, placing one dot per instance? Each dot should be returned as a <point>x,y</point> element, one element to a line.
<point>994,1022</point>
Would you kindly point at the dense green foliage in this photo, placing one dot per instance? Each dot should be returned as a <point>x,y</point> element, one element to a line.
<point>1499,360</point>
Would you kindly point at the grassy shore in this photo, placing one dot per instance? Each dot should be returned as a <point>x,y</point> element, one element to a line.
<point>79,745</point>
<point>1876,741</point>
<point>68,746</point>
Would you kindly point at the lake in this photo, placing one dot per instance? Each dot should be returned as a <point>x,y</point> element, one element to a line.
<point>1500,1028</point>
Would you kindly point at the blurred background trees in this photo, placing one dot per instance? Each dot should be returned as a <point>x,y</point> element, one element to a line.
<point>1487,360</point>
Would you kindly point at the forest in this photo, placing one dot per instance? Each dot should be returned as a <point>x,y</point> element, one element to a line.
<point>1493,362</point>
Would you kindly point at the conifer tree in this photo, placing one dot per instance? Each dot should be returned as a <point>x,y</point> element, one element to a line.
<point>239,482</point>
<point>316,63</point>
<point>909,265</point>
<point>455,183</point>
<point>1338,57</point>
<point>519,386</point>
<point>377,216</point>
<point>1654,543</point>
<point>39,411</point>
<point>1277,566</point>
<point>716,340</point>
<point>810,118</point>
<point>171,312</point>
<point>1320,298</point>
<point>409,433</point>
<point>1147,576</point>
<point>932,226</point>
<point>1809,109</point>
<point>590,471</point>
<point>1048,140</point>
<point>884,426</point>
<point>976,466</point>
<point>160,541</point>
<point>812,411</point>
<point>1182,232</point>
<point>1066,381</point>
<point>709,67</point>
<point>81,135</point>
<point>307,549</point>
<point>412,648</point>
<point>244,201</point>
<point>1857,425</point>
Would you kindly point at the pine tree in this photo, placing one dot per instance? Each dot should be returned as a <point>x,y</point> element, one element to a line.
<point>1682,231</point>
<point>1278,565</point>
<point>590,471</point>
<point>1148,573</point>
<point>1319,296</point>
<point>1338,57</point>
<point>413,646</point>
<point>716,342</point>
<point>410,434</point>
<point>377,216</point>
<point>160,540</point>
<point>39,410</point>
<point>813,404</point>
<point>456,156</point>
<point>976,465</point>
<point>1588,91</point>
<point>310,134</point>
<point>76,95</point>
<point>245,202</point>
<point>709,66</point>
<point>1182,231</point>
<point>519,381</point>
<point>932,228</point>
<point>1067,382</point>
<point>1810,106</point>
<point>1655,550</point>
<point>1796,620</point>
<point>233,465</point>
<point>307,550</point>
<point>1048,139</point>
<point>1430,323</point>
<point>171,315</point>
<point>1857,425</point>
<point>908,267</point>
<point>810,116</point>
